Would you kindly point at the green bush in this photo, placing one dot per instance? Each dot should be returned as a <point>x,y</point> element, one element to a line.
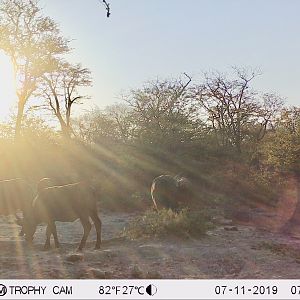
<point>168,223</point>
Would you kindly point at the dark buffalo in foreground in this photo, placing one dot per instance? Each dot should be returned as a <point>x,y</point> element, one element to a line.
<point>44,183</point>
<point>170,191</point>
<point>49,182</point>
<point>65,204</point>
<point>15,195</point>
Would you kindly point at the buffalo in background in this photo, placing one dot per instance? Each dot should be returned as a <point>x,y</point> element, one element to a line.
<point>171,192</point>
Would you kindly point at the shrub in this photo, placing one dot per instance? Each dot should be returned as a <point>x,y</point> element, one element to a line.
<point>168,223</point>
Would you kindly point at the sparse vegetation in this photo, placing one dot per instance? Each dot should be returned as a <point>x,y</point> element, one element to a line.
<point>167,223</point>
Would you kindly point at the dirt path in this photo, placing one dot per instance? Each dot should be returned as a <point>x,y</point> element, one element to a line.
<point>226,252</point>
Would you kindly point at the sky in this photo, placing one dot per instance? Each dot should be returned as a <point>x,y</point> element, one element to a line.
<point>148,39</point>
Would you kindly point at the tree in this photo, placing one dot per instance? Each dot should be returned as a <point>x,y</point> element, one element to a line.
<point>288,158</point>
<point>61,91</point>
<point>34,131</point>
<point>112,125</point>
<point>122,115</point>
<point>164,114</point>
<point>290,120</point>
<point>33,43</point>
<point>281,149</point>
<point>236,112</point>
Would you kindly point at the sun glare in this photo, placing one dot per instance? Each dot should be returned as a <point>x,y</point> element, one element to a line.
<point>7,90</point>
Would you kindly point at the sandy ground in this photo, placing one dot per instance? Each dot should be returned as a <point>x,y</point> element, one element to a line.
<point>228,251</point>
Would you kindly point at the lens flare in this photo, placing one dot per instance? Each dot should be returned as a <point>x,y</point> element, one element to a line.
<point>7,86</point>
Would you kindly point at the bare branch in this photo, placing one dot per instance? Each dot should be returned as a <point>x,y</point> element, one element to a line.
<point>107,7</point>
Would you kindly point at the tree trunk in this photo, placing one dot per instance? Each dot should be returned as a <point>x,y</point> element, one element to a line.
<point>21,105</point>
<point>65,130</point>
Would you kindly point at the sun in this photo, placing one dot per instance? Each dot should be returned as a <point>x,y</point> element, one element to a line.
<point>7,89</point>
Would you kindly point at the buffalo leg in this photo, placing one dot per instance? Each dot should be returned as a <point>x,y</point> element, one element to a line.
<point>48,235</point>
<point>54,232</point>
<point>86,230</point>
<point>21,233</point>
<point>98,224</point>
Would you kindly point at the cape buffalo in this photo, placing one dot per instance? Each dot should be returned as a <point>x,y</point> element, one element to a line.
<point>170,191</point>
<point>64,203</point>
<point>15,195</point>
